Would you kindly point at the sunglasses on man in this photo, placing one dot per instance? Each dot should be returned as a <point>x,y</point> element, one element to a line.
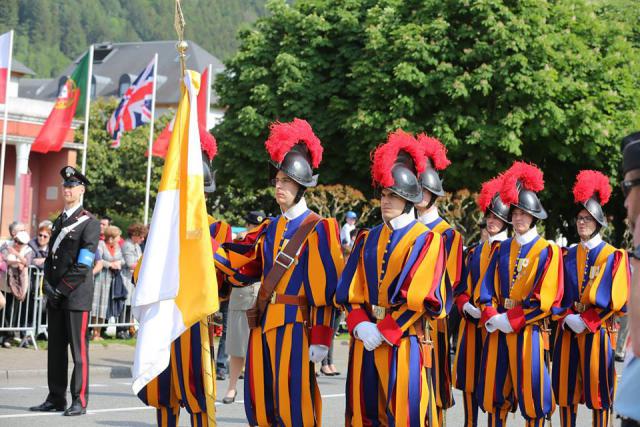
<point>628,185</point>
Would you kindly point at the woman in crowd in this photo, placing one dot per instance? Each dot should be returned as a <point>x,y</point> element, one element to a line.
<point>40,246</point>
<point>132,251</point>
<point>17,254</point>
<point>112,261</point>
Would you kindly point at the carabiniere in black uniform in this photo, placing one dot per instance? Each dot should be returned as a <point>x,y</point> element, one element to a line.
<point>68,285</point>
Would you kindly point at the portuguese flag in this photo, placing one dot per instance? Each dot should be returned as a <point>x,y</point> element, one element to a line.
<point>71,101</point>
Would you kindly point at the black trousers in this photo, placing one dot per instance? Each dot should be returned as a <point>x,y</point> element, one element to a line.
<point>68,328</point>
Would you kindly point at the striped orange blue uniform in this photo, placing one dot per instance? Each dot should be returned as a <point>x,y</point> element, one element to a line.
<point>528,278</point>
<point>466,365</point>
<point>182,382</point>
<point>439,329</point>
<point>280,386</point>
<point>400,271</point>
<point>596,286</point>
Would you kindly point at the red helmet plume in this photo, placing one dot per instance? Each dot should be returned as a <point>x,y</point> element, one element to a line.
<point>590,183</point>
<point>208,143</point>
<point>530,177</point>
<point>386,155</point>
<point>488,191</point>
<point>435,151</point>
<point>284,136</point>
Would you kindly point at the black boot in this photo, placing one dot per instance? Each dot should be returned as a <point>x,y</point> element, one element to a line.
<point>48,407</point>
<point>75,409</point>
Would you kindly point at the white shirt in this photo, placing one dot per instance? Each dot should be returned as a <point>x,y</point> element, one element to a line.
<point>500,237</point>
<point>345,233</point>
<point>296,210</point>
<point>593,242</point>
<point>71,210</point>
<point>429,216</point>
<point>527,237</point>
<point>402,220</point>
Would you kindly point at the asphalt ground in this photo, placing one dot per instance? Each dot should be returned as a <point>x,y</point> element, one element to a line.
<point>112,403</point>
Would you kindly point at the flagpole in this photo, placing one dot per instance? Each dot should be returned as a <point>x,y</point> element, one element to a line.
<point>150,147</point>
<point>208,96</point>
<point>3,151</point>
<point>86,113</point>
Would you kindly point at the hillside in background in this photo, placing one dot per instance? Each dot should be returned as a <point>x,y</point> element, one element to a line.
<point>50,33</point>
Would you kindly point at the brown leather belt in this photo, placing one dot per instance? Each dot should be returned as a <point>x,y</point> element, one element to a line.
<point>298,300</point>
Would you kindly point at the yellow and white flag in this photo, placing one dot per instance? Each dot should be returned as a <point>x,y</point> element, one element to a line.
<point>177,282</point>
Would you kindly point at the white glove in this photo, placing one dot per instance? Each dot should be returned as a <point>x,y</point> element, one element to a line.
<point>575,323</point>
<point>499,322</point>
<point>368,333</point>
<point>317,352</point>
<point>471,310</point>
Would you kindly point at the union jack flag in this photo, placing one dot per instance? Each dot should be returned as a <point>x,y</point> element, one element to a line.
<point>134,108</point>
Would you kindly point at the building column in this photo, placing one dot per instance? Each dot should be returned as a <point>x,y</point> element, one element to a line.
<point>21,206</point>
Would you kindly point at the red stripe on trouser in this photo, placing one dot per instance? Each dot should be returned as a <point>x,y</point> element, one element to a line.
<point>83,356</point>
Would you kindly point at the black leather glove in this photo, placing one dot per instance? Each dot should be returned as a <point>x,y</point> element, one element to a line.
<point>53,295</point>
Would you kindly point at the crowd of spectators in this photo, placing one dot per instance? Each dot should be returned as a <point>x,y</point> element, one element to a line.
<point>22,257</point>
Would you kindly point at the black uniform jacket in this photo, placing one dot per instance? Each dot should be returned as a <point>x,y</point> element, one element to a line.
<point>69,268</point>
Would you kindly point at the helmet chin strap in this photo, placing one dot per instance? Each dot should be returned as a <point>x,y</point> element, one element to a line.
<point>407,207</point>
<point>299,194</point>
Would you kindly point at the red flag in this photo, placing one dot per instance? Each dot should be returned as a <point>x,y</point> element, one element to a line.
<point>161,144</point>
<point>52,134</point>
<point>5,59</point>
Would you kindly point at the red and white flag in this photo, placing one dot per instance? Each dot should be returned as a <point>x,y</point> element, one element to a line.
<point>5,64</point>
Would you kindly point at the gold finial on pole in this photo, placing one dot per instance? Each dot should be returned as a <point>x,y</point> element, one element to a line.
<point>182,45</point>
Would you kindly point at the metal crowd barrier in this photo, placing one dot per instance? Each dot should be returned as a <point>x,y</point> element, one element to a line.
<point>28,317</point>
<point>21,317</point>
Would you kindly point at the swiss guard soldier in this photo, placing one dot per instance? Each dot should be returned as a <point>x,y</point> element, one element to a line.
<point>182,383</point>
<point>297,258</point>
<point>521,286</point>
<point>392,283</point>
<point>471,335</point>
<point>596,283</point>
<point>68,285</point>
<point>427,209</point>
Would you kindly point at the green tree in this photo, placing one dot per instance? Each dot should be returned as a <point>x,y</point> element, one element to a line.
<point>554,83</point>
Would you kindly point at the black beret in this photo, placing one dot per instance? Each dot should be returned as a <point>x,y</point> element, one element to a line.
<point>631,152</point>
<point>72,177</point>
<point>255,217</point>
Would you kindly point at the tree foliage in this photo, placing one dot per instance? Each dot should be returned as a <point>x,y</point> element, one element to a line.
<point>50,33</point>
<point>555,83</point>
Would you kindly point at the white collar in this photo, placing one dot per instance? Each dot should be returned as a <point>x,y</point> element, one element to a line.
<point>429,216</point>
<point>593,242</point>
<point>527,237</point>
<point>296,210</point>
<point>501,236</point>
<point>71,210</point>
<point>402,220</point>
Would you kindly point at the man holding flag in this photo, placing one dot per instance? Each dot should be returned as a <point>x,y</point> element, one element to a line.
<point>177,286</point>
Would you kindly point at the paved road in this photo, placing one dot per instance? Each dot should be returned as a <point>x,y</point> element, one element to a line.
<point>112,404</point>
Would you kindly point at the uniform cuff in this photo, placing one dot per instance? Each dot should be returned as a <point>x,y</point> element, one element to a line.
<point>65,288</point>
<point>516,318</point>
<point>322,335</point>
<point>355,317</point>
<point>591,319</point>
<point>461,300</point>
<point>487,314</point>
<point>390,330</point>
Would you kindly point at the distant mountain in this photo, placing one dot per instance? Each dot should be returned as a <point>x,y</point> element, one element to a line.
<point>49,33</point>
